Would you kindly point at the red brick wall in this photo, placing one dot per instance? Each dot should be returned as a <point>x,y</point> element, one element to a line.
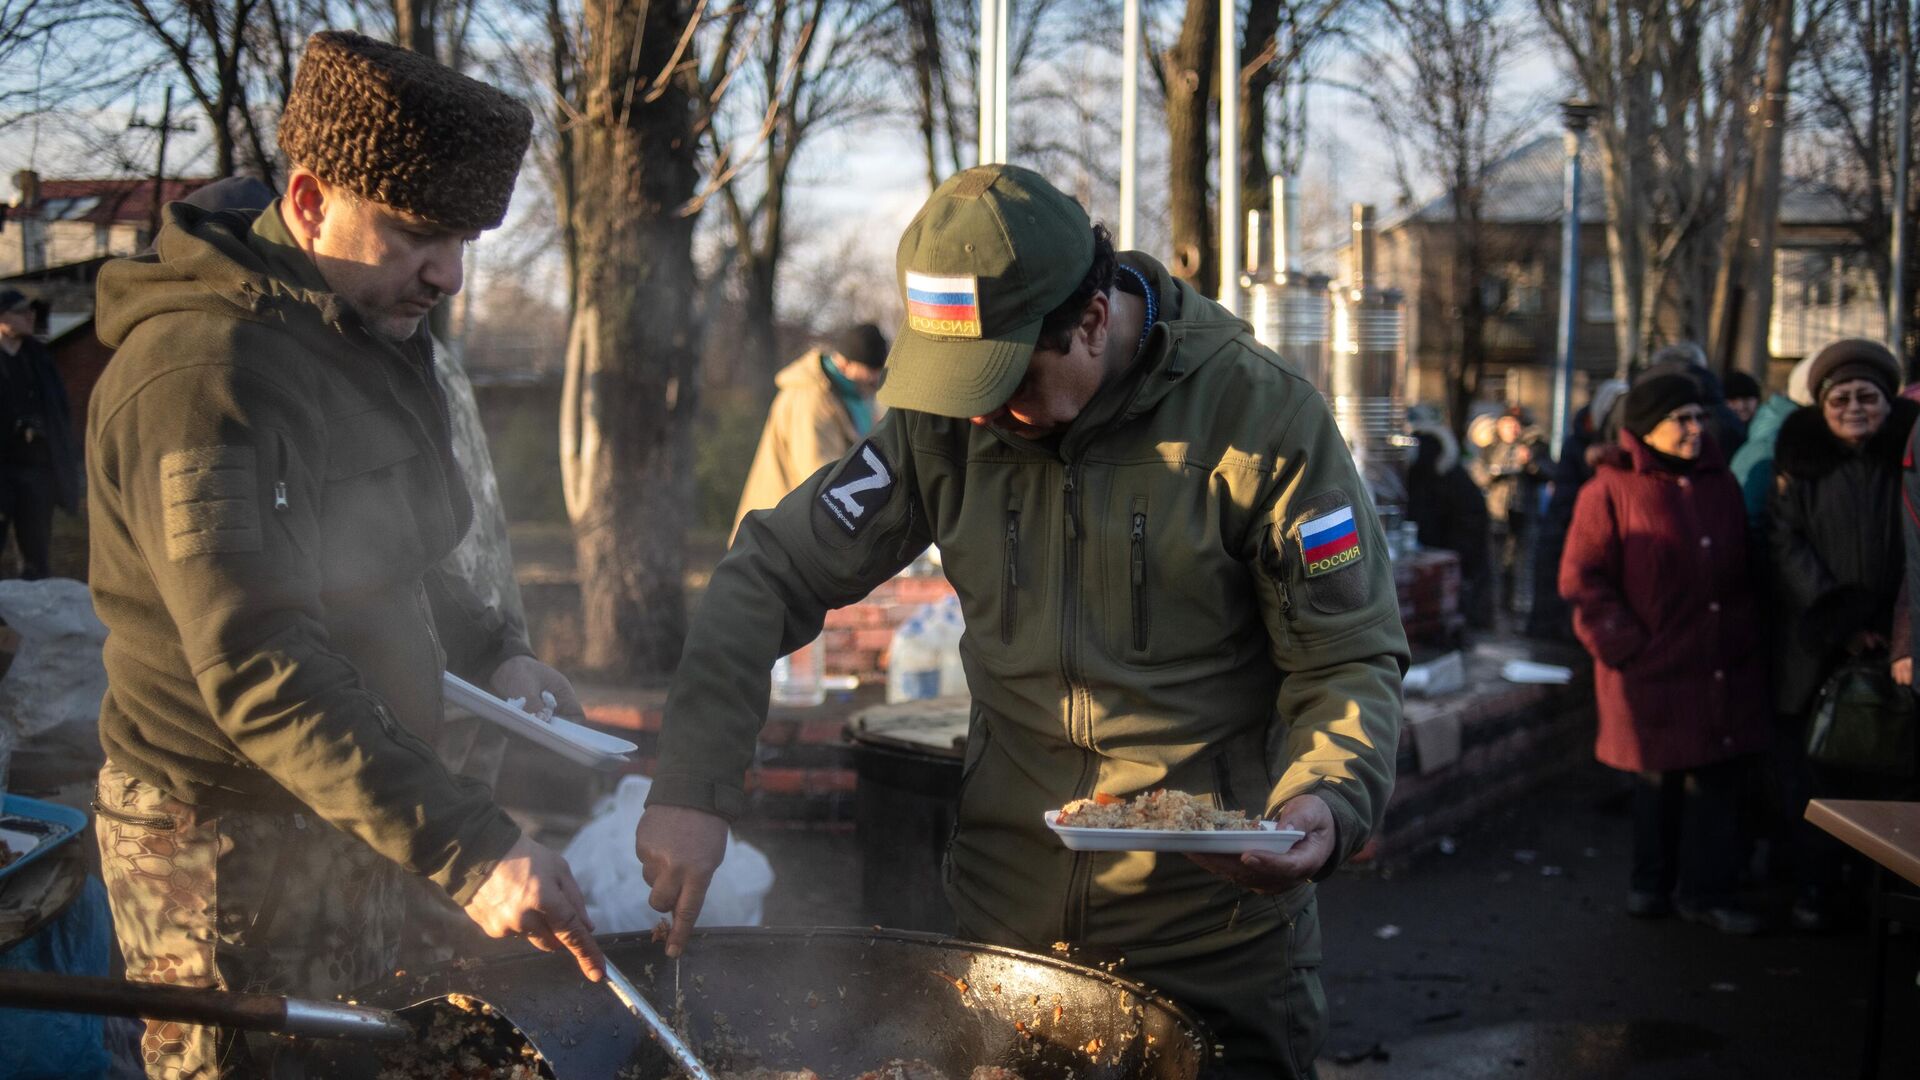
<point>857,637</point>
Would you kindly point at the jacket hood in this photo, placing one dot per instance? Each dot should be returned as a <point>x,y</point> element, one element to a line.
<point>1449,445</point>
<point>1807,448</point>
<point>1767,419</point>
<point>802,372</point>
<point>1189,331</point>
<point>224,263</point>
<point>1630,454</point>
<point>1179,343</point>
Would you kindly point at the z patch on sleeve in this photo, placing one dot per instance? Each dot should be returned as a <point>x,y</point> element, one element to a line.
<point>211,500</point>
<point>854,495</point>
<point>1331,556</point>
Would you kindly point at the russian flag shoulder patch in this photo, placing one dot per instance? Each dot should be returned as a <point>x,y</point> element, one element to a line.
<point>943,305</point>
<point>1329,541</point>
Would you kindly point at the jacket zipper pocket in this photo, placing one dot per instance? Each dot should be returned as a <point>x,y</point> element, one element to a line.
<point>163,822</point>
<point>1010,579</point>
<point>1223,784</point>
<point>1137,573</point>
<point>960,793</point>
<point>282,504</point>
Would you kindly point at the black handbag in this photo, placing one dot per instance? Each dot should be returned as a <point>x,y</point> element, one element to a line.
<point>1863,721</point>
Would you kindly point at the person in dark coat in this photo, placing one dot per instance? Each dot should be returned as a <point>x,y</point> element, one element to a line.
<point>1743,396</point>
<point>39,468</point>
<point>1656,569</point>
<point>1688,358</point>
<point>1550,618</point>
<point>1838,564</point>
<point>1450,512</point>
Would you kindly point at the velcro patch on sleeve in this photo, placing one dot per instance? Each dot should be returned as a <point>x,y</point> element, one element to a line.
<point>211,500</point>
<point>853,496</point>
<point>1327,542</point>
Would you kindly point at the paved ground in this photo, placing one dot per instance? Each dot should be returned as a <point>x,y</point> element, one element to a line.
<point>1512,958</point>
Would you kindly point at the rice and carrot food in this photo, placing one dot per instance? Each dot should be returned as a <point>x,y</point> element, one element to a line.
<point>1159,809</point>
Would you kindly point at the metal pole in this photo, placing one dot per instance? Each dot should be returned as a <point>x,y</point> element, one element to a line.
<point>1002,16</point>
<point>988,81</point>
<point>1576,116</point>
<point>1129,119</point>
<point>1229,254</point>
<point>1897,280</point>
<point>160,166</point>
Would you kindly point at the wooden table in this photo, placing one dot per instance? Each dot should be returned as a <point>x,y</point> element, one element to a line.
<point>1889,834</point>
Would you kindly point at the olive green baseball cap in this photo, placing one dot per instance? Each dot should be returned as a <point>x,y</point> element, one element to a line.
<point>995,249</point>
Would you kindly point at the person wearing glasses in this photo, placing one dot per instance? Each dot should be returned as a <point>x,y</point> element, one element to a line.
<point>1658,575</point>
<point>1838,563</point>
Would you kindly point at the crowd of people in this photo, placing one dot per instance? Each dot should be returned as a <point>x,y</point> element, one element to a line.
<point>1737,569</point>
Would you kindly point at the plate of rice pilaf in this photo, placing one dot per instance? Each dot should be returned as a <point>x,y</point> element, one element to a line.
<point>1164,821</point>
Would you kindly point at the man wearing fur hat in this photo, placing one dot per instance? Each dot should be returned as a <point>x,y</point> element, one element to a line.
<point>271,486</point>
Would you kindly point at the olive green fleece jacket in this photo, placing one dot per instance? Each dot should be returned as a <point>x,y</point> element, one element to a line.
<point>270,488</point>
<point>1138,615</point>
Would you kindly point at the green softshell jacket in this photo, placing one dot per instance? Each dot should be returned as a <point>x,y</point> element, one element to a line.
<point>270,488</point>
<point>1138,616</point>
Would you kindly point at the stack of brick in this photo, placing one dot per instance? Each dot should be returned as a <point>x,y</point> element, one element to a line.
<point>857,637</point>
<point>802,772</point>
<point>1493,740</point>
<point>1428,582</point>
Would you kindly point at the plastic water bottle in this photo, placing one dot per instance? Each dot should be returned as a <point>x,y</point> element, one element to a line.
<point>799,678</point>
<point>913,662</point>
<point>951,626</point>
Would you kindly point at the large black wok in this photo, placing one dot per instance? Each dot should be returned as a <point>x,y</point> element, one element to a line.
<point>838,1001</point>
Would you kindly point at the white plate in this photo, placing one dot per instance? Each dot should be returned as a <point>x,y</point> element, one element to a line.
<point>575,742</point>
<point>1268,837</point>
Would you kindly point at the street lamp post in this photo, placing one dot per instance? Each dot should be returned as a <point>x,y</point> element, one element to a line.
<point>1576,116</point>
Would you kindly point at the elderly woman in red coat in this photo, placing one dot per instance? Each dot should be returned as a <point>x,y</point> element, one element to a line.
<point>1658,574</point>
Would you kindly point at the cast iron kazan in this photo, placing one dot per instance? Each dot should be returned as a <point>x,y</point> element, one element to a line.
<point>838,1001</point>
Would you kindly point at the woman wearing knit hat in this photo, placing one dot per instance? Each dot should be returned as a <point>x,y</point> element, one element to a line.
<point>1657,572</point>
<point>1838,563</point>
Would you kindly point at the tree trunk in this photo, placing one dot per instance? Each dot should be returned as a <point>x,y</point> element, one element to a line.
<point>759,345</point>
<point>1763,211</point>
<point>633,348</point>
<point>923,30</point>
<point>1255,80</point>
<point>413,25</point>
<point>1190,82</point>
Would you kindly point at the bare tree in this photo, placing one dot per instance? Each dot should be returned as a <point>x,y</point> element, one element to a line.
<point>1743,286</point>
<point>1435,91</point>
<point>1281,42</point>
<point>1285,39</point>
<point>64,55</point>
<point>630,143</point>
<point>207,42</point>
<point>1187,72</point>
<point>808,69</point>
<point>1669,79</point>
<point>1853,118</point>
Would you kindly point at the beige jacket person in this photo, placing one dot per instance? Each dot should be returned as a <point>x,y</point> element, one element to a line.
<point>807,429</point>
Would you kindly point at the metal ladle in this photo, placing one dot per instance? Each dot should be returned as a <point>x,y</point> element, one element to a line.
<point>676,1047</point>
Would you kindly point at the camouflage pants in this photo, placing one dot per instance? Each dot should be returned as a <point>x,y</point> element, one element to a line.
<point>239,900</point>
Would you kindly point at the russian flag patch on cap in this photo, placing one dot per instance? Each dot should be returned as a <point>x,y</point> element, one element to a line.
<point>1329,541</point>
<point>943,305</point>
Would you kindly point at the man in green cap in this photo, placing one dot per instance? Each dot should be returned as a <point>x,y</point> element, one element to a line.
<point>271,489</point>
<point>1172,578</point>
